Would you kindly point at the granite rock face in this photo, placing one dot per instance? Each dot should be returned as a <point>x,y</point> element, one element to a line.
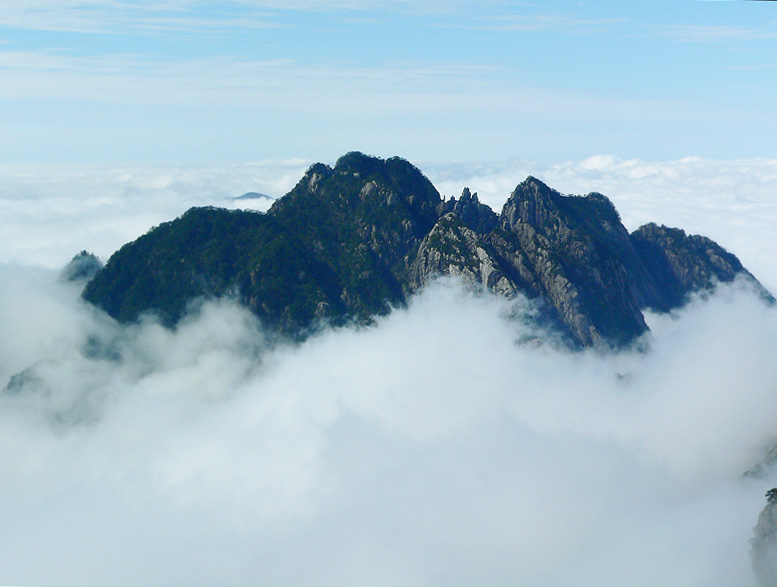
<point>352,241</point>
<point>682,263</point>
<point>575,254</point>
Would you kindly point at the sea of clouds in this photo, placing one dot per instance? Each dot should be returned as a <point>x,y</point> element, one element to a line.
<point>430,449</point>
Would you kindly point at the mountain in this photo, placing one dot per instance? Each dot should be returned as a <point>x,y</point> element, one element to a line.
<point>253,196</point>
<point>352,241</point>
<point>332,250</point>
<point>82,267</point>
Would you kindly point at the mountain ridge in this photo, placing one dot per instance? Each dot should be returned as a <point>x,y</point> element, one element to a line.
<point>352,241</point>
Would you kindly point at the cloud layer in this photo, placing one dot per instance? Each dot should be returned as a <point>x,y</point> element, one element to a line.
<point>431,449</point>
<point>428,450</point>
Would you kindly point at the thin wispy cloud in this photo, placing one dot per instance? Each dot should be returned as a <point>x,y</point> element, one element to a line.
<point>471,92</point>
<point>134,78</point>
<point>109,17</point>
<point>181,75</point>
<point>712,33</point>
<point>340,91</point>
<point>755,67</point>
<point>132,16</point>
<point>549,22</point>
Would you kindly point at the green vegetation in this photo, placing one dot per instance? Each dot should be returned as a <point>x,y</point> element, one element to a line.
<point>343,246</point>
<point>329,250</point>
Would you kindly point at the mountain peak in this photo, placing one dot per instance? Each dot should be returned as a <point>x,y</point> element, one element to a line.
<point>531,201</point>
<point>357,162</point>
<point>351,242</point>
<point>83,267</point>
<point>532,181</point>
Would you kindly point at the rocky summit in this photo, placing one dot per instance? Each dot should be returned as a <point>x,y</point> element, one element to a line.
<point>352,241</point>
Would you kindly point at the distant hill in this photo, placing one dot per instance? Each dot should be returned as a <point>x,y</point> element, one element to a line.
<point>81,268</point>
<point>253,196</point>
<point>351,242</point>
<point>252,201</point>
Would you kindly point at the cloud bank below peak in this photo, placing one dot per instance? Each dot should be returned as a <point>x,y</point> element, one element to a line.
<point>427,450</point>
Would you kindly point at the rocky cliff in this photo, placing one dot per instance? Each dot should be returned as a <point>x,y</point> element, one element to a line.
<point>574,253</point>
<point>353,241</point>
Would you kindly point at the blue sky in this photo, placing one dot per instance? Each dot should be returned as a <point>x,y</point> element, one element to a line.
<point>198,82</point>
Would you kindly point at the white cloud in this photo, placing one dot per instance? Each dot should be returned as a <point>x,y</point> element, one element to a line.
<point>429,450</point>
<point>49,213</point>
<point>135,16</point>
<point>124,16</point>
<point>693,33</point>
<point>550,22</point>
